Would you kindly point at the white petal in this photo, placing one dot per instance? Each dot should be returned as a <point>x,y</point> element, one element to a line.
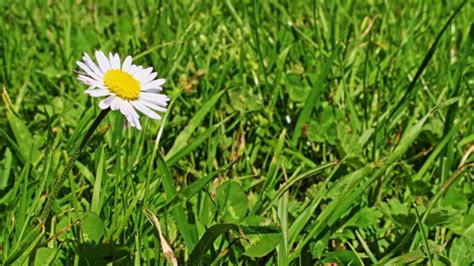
<point>104,63</point>
<point>145,110</point>
<point>91,64</point>
<point>132,116</point>
<point>115,104</point>
<point>88,70</point>
<point>153,90</point>
<point>153,106</point>
<point>135,116</point>
<point>159,99</point>
<point>141,75</point>
<point>105,103</point>
<point>114,61</point>
<point>117,60</point>
<point>136,122</point>
<point>127,64</point>
<point>125,108</point>
<point>89,81</point>
<point>149,78</point>
<point>134,69</point>
<point>111,59</point>
<point>98,92</point>
<point>154,84</point>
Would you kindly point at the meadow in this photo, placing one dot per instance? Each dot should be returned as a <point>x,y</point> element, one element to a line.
<point>298,133</point>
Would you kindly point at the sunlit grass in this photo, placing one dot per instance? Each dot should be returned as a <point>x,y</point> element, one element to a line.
<point>298,133</point>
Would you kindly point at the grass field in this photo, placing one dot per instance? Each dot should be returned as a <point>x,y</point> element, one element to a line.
<point>298,133</point>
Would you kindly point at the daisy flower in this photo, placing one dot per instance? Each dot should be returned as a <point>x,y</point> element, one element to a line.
<point>127,87</point>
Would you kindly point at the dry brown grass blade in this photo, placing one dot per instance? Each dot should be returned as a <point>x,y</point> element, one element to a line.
<point>167,251</point>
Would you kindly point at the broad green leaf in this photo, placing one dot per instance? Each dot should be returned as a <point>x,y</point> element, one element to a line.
<point>62,227</point>
<point>317,247</point>
<point>343,257</point>
<point>316,132</point>
<point>45,256</point>
<point>460,252</point>
<point>438,217</point>
<point>404,220</point>
<point>456,200</point>
<point>92,228</point>
<point>297,89</point>
<point>399,213</point>
<point>420,188</point>
<point>260,239</point>
<point>261,244</point>
<point>232,201</point>
<point>6,168</point>
<point>365,217</point>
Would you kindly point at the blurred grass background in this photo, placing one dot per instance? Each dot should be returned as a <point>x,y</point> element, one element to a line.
<point>299,132</point>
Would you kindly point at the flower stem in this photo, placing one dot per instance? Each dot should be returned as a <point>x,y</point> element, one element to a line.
<point>58,183</point>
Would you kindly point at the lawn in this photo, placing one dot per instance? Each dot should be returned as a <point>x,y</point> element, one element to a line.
<point>297,133</point>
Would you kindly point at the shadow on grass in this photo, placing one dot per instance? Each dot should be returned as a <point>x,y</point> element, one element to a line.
<point>102,254</point>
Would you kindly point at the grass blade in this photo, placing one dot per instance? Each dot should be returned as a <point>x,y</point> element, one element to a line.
<point>95,205</point>
<point>411,90</point>
<point>182,139</point>
<point>187,231</point>
<point>312,99</point>
<point>181,153</point>
<point>207,240</point>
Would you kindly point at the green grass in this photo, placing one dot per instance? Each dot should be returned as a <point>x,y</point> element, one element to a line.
<point>298,133</point>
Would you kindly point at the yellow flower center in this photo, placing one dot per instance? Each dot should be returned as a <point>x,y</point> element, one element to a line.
<point>122,84</point>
